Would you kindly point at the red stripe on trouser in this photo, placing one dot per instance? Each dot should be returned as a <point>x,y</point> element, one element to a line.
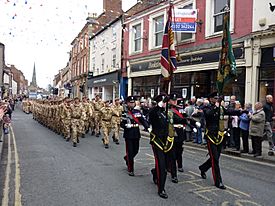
<point>157,167</point>
<point>127,157</point>
<point>212,161</point>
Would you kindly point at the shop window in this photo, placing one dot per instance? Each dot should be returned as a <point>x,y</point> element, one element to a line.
<point>266,82</point>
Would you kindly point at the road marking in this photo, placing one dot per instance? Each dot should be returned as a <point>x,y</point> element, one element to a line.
<point>231,188</point>
<point>17,172</point>
<point>5,200</point>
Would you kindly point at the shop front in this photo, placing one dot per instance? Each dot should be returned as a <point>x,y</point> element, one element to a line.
<point>267,73</point>
<point>196,76</point>
<point>106,85</point>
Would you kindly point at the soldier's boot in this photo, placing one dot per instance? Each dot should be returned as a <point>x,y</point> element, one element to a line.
<point>87,131</point>
<point>67,139</point>
<point>113,137</point>
<point>74,144</point>
<point>77,140</point>
<point>106,146</point>
<point>93,133</point>
<point>83,135</point>
<point>97,135</point>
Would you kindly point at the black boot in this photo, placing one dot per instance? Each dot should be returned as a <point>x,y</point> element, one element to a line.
<point>163,194</point>
<point>74,144</point>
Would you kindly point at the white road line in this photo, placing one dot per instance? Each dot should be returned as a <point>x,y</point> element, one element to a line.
<point>17,173</point>
<point>5,199</point>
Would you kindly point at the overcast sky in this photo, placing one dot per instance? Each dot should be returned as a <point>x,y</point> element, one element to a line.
<point>41,31</point>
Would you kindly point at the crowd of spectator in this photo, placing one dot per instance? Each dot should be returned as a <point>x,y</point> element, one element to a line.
<point>255,123</point>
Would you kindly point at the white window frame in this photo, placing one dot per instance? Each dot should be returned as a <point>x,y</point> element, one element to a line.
<point>151,37</point>
<point>132,35</point>
<point>192,39</point>
<point>102,69</point>
<point>209,19</point>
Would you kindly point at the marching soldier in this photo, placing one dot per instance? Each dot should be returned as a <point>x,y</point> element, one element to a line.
<point>77,115</point>
<point>131,119</point>
<point>97,106</point>
<point>66,118</point>
<point>88,110</point>
<point>116,119</point>
<point>179,122</point>
<point>214,116</point>
<point>161,139</point>
<point>107,114</point>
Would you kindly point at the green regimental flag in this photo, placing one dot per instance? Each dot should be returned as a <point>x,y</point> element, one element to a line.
<point>227,63</point>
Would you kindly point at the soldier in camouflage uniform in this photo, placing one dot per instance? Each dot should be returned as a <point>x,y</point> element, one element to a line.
<point>66,118</point>
<point>107,113</point>
<point>116,119</point>
<point>98,105</point>
<point>89,113</point>
<point>92,118</point>
<point>77,117</point>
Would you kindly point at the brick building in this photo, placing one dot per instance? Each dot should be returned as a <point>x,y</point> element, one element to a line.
<point>80,62</point>
<point>199,51</point>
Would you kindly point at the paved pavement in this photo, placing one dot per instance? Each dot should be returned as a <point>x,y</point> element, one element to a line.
<point>46,170</point>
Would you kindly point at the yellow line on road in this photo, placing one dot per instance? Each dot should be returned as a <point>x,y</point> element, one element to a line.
<point>17,173</point>
<point>5,199</point>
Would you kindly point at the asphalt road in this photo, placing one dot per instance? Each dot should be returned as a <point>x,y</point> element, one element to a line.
<point>43,169</point>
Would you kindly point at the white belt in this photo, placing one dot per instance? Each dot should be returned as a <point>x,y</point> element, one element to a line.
<point>132,125</point>
<point>178,125</point>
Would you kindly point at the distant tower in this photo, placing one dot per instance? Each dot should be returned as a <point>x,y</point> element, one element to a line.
<point>33,83</point>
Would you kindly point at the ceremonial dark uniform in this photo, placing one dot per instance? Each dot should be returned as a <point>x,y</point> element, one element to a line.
<point>214,135</point>
<point>179,122</point>
<point>131,119</point>
<point>162,143</point>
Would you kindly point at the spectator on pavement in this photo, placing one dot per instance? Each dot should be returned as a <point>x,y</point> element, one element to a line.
<point>269,110</point>
<point>235,127</point>
<point>256,130</point>
<point>244,126</point>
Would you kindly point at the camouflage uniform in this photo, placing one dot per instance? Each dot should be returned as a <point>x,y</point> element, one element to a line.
<point>88,110</point>
<point>98,105</point>
<point>77,117</point>
<point>116,119</point>
<point>107,113</point>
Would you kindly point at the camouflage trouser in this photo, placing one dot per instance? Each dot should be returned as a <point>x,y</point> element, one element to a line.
<point>82,125</point>
<point>67,128</point>
<point>76,129</point>
<point>97,122</point>
<point>106,129</point>
<point>92,123</point>
<point>87,125</point>
<point>116,128</point>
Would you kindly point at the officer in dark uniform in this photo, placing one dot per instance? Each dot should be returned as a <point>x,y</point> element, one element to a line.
<point>214,134</point>
<point>179,122</point>
<point>161,139</point>
<point>131,119</point>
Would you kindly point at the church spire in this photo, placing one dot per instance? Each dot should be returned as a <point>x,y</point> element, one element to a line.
<point>33,83</point>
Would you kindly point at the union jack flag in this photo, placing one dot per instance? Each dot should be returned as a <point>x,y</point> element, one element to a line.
<point>168,54</point>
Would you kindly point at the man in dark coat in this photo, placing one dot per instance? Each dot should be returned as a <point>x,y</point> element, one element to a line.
<point>131,119</point>
<point>214,116</point>
<point>161,139</point>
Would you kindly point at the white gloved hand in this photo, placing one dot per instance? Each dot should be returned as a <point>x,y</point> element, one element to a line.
<point>195,130</point>
<point>160,104</point>
<point>128,126</point>
<point>198,124</point>
<point>150,130</point>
